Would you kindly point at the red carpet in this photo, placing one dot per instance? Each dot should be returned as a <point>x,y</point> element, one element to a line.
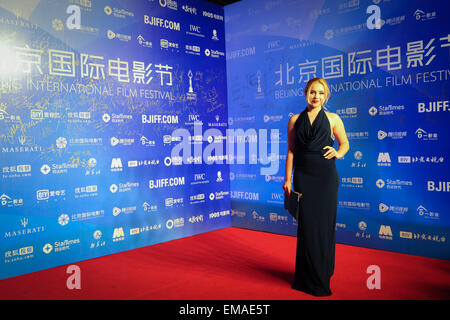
<point>232,264</point>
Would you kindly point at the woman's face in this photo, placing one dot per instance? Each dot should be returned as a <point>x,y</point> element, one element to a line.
<point>316,96</point>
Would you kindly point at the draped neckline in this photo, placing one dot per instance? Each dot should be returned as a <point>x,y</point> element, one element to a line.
<point>311,124</point>
<point>313,137</point>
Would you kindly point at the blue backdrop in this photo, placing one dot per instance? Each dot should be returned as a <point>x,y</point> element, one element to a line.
<point>387,64</point>
<point>115,131</point>
<point>109,113</point>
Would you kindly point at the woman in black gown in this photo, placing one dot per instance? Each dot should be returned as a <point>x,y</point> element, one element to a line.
<point>312,157</point>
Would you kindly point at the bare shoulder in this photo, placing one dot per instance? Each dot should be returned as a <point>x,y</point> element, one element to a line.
<point>332,115</point>
<point>293,118</point>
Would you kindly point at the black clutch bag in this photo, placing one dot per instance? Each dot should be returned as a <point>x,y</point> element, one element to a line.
<point>292,203</point>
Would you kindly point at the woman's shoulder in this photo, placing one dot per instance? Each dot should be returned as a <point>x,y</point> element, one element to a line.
<point>293,120</point>
<point>294,117</point>
<point>332,116</point>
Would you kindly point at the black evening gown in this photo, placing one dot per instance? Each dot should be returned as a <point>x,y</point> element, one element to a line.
<point>318,180</point>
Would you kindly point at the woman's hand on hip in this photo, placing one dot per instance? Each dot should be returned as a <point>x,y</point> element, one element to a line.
<point>331,153</point>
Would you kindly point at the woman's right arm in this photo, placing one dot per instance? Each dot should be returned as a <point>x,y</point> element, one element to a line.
<point>287,186</point>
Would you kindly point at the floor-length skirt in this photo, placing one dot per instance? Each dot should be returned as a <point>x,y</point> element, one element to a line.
<point>318,180</point>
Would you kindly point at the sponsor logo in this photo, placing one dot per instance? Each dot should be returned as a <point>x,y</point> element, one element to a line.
<point>79,117</point>
<point>393,135</point>
<point>276,118</point>
<point>59,246</point>
<point>354,205</point>
<point>63,219</point>
<point>358,163</point>
<point>433,106</point>
<point>116,165</point>
<point>189,9</point>
<point>171,223</point>
<point>421,159</point>
<point>173,161</point>
<point>5,116</point>
<point>192,49</point>
<point>277,179</point>
<point>149,207</point>
<point>86,191</point>
<point>162,23</point>
<point>214,35</point>
<point>114,35</point>
<point>195,30</point>
<point>212,15</point>
<point>358,135</point>
<point>160,119</point>
<point>169,45</point>
<point>218,195</point>
<point>116,118</point>
<point>374,20</point>
<point>421,15</point>
<point>122,141</point>
<point>238,213</point>
<point>169,4</point>
<point>426,136</point>
<point>200,178</point>
<point>118,234</point>
<point>396,184</point>
<point>256,216</point>
<point>352,182</point>
<point>422,236</point>
<point>362,225</point>
<point>166,182</point>
<point>25,230</point>
<point>144,43</point>
<point>147,142</point>
<point>385,232</point>
<point>83,216</point>
<point>141,229</point>
<point>244,52</point>
<point>197,198</point>
<point>385,110</point>
<point>218,214</point>
<point>97,235</point>
<point>25,146</point>
<point>118,13</point>
<point>424,212</point>
<point>79,142</point>
<point>16,171</point>
<point>19,254</point>
<point>384,159</point>
<point>275,217</point>
<point>393,209</point>
<point>142,163</point>
<point>123,187</point>
<point>405,234</point>
<point>438,186</point>
<point>214,53</point>
<point>196,219</point>
<point>173,202</point>
<point>46,194</point>
<point>126,210</point>
<point>61,143</point>
<point>244,195</point>
<point>348,113</point>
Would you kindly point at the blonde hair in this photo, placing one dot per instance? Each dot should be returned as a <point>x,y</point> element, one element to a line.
<point>322,82</point>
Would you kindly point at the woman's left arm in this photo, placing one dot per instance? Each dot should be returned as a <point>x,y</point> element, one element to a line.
<point>341,137</point>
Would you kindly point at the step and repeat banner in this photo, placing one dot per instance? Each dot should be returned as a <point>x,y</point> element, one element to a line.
<point>112,124</point>
<point>387,65</point>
